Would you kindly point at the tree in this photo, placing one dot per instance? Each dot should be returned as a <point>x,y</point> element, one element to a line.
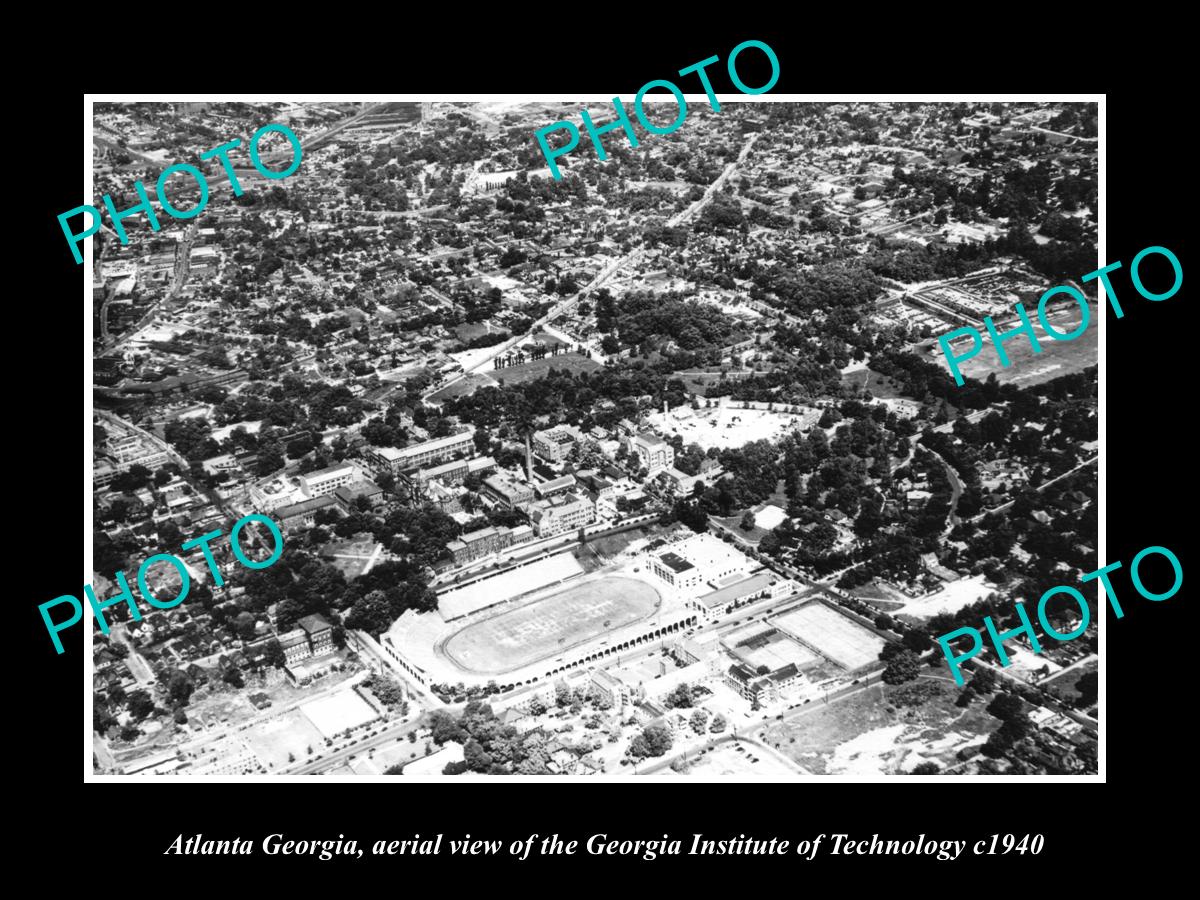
<point>140,705</point>
<point>698,721</point>
<point>681,697</point>
<point>1006,706</point>
<point>274,654</point>
<point>917,640</point>
<point>747,523</point>
<point>904,666</point>
<point>233,676</point>
<point>1088,687</point>
<point>926,768</point>
<point>179,688</point>
<point>655,740</point>
<point>718,724</point>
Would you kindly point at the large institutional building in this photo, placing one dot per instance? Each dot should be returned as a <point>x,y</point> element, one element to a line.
<point>694,562</point>
<point>396,460</point>
<point>652,452</point>
<point>326,481</point>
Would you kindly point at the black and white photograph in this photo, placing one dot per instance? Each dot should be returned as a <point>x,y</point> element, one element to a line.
<point>477,439</point>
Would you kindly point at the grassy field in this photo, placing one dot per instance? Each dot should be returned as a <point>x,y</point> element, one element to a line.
<point>1064,687</point>
<point>551,625</point>
<point>871,733</point>
<point>880,386</point>
<point>462,388</point>
<point>532,371</point>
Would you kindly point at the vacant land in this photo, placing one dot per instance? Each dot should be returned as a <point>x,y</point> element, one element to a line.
<point>551,625</point>
<point>871,733</point>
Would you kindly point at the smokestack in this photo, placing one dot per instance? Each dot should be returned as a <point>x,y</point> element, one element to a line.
<point>664,406</point>
<point>528,459</point>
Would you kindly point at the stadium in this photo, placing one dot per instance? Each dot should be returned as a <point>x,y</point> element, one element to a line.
<point>517,640</point>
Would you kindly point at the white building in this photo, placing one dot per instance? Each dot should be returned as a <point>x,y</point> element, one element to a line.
<point>561,514</point>
<point>652,452</point>
<point>695,564</point>
<point>326,481</point>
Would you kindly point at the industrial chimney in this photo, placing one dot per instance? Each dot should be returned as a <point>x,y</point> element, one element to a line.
<point>528,458</point>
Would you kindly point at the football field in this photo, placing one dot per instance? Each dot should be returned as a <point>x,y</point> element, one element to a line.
<point>549,626</point>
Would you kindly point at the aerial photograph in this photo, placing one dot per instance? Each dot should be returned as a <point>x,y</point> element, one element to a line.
<point>654,469</point>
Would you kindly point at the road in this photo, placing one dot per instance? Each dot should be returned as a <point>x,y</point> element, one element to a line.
<point>1040,487</point>
<point>137,665</point>
<point>397,732</point>
<point>182,266</point>
<point>596,283</point>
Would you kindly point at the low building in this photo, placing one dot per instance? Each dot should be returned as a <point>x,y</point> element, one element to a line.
<point>739,592</point>
<point>302,514</point>
<point>555,486</point>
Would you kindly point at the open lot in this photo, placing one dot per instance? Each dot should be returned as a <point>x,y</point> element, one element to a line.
<point>731,426</point>
<point>338,712</point>
<point>551,625</point>
<point>1027,368</point>
<point>869,734</point>
<point>738,760</point>
<point>832,635</point>
<point>292,733</point>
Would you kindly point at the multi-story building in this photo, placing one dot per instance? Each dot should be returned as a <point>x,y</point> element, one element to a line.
<point>295,646</point>
<point>326,481</point>
<point>477,544</point>
<point>319,633</point>
<point>450,473</point>
<point>347,495</point>
<point>312,636</point>
<point>764,688</point>
<point>558,515</point>
<point>554,444</point>
<point>655,454</point>
<point>438,450</point>
<point>132,449</point>
<point>612,689</point>
<point>508,493</point>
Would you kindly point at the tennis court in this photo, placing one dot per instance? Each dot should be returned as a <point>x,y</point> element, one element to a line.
<point>831,634</point>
